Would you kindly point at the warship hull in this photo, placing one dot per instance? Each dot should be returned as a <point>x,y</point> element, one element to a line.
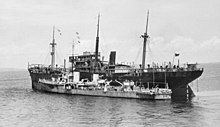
<point>60,89</point>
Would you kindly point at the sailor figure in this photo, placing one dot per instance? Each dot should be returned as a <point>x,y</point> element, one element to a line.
<point>105,88</point>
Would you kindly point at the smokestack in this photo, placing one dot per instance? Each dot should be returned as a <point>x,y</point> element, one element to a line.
<point>112,58</point>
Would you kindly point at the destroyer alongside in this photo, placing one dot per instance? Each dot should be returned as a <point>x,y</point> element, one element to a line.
<point>151,82</point>
<point>103,89</point>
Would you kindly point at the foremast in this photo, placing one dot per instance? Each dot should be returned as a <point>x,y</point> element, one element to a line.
<point>53,50</point>
<point>145,36</point>
<point>97,45</point>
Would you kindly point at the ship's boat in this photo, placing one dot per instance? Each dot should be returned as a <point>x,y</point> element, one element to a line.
<point>88,64</point>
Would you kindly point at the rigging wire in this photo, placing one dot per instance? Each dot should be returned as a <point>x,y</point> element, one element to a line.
<point>101,39</point>
<point>59,53</point>
<point>151,53</point>
<point>58,57</point>
<point>138,56</point>
<point>46,59</point>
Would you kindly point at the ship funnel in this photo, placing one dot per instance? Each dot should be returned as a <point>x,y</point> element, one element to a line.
<point>112,58</point>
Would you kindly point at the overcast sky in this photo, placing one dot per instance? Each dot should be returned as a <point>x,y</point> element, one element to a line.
<point>189,27</point>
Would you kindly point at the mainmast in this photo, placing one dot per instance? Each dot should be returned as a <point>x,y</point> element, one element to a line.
<point>97,44</point>
<point>53,50</point>
<point>145,36</point>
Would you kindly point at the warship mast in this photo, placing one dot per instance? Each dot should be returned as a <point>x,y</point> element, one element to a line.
<point>53,50</point>
<point>145,36</point>
<point>97,45</point>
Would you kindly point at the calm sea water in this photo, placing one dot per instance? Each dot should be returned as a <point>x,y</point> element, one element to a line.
<point>21,106</point>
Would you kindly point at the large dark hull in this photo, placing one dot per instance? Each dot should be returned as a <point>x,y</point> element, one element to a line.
<point>178,81</point>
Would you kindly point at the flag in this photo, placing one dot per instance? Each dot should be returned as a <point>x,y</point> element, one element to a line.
<point>177,54</point>
<point>59,31</point>
<point>77,38</point>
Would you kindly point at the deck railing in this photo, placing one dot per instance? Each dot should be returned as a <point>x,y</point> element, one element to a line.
<point>155,69</point>
<point>40,68</point>
<point>117,70</point>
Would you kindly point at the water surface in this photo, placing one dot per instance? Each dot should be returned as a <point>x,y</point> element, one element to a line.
<point>21,106</point>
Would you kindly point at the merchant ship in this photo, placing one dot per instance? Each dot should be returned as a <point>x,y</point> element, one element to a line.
<point>90,66</point>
